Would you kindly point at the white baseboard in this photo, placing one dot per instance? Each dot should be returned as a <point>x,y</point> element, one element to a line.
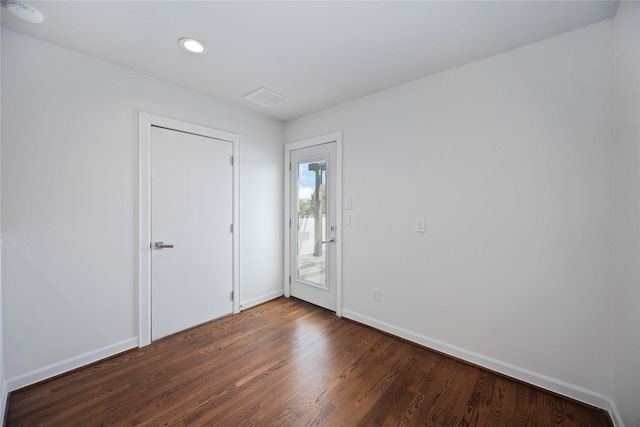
<point>3,384</point>
<point>264,298</point>
<point>68,365</point>
<point>543,381</point>
<point>615,415</point>
<point>3,403</point>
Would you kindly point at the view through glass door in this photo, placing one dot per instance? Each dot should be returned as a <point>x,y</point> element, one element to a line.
<point>313,225</point>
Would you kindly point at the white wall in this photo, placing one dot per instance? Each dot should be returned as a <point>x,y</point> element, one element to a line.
<point>69,211</point>
<point>3,385</point>
<point>625,330</point>
<point>509,161</point>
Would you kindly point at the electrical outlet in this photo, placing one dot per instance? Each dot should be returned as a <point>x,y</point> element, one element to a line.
<point>419,225</point>
<point>376,294</point>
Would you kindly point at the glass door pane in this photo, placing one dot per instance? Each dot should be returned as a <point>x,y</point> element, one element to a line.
<point>312,222</point>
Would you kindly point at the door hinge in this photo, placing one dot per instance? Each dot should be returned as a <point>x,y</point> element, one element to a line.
<point>231,228</point>
<point>231,160</point>
<point>289,166</point>
<point>232,295</point>
<point>289,223</point>
<point>289,279</point>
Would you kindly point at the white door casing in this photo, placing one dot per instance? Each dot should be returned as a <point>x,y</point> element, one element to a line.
<point>147,122</point>
<point>301,153</point>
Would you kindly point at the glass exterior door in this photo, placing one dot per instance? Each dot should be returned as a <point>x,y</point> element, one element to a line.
<point>313,228</point>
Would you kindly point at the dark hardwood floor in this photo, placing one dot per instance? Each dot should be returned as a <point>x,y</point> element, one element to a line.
<point>289,363</point>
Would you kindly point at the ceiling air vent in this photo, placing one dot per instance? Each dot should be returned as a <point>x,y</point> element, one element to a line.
<point>265,97</point>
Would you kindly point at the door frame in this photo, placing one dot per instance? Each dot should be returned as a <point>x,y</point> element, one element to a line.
<point>146,121</point>
<point>318,140</point>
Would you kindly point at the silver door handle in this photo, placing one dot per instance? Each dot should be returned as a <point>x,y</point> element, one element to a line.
<point>161,245</point>
<point>331,240</point>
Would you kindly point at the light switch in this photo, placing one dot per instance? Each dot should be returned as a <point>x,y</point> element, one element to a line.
<point>420,225</point>
<point>347,220</point>
<point>347,204</point>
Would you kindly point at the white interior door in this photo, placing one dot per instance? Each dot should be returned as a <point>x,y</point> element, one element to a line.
<point>191,215</point>
<point>314,229</point>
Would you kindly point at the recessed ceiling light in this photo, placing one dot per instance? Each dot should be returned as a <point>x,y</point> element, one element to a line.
<point>192,45</point>
<point>24,11</point>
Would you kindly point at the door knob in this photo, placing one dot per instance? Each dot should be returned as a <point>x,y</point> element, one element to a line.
<point>331,240</point>
<point>161,245</point>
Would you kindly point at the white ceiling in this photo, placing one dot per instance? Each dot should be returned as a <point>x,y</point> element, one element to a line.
<point>318,54</point>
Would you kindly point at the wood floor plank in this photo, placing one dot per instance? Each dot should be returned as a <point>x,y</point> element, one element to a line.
<point>289,363</point>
